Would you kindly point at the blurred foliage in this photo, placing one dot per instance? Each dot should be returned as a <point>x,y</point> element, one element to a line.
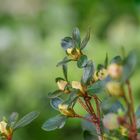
<point>30,34</point>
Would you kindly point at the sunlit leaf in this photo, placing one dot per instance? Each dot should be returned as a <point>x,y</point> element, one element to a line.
<point>56,122</point>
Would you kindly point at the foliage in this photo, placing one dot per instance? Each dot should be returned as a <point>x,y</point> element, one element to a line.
<point>111,117</point>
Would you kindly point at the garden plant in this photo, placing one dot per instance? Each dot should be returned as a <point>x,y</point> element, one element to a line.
<point>103,92</point>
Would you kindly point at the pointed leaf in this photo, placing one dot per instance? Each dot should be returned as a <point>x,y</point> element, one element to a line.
<point>27,119</point>
<point>76,37</point>
<point>56,122</point>
<point>65,70</point>
<point>82,61</point>
<point>117,60</point>
<point>64,61</point>
<point>66,43</point>
<point>85,40</point>
<point>106,61</point>
<point>55,102</point>
<point>54,94</point>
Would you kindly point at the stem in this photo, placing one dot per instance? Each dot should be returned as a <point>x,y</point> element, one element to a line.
<point>97,118</point>
<point>133,131</point>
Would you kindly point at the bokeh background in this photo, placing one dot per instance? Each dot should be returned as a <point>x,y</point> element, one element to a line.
<point>30,34</point>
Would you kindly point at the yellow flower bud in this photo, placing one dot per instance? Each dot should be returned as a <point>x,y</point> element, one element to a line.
<point>74,53</point>
<point>115,89</point>
<point>102,74</point>
<point>62,84</point>
<point>65,110</point>
<point>123,131</point>
<point>77,85</point>
<point>6,132</point>
<point>115,70</point>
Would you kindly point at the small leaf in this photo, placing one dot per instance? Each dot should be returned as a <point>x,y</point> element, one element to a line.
<point>55,102</point>
<point>82,61</point>
<point>64,61</point>
<point>89,130</point>
<point>76,37</point>
<point>88,72</point>
<point>56,122</point>
<point>54,94</point>
<point>117,60</point>
<point>66,43</point>
<point>13,119</point>
<point>27,119</point>
<point>111,104</point>
<point>95,88</point>
<point>72,98</point>
<point>85,40</point>
<point>106,61</point>
<point>65,70</point>
<point>129,66</point>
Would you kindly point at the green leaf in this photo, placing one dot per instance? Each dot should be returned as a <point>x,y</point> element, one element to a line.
<point>54,94</point>
<point>111,104</point>
<point>138,112</point>
<point>13,119</point>
<point>72,98</point>
<point>56,122</point>
<point>129,66</point>
<point>85,40</point>
<point>65,70</point>
<point>66,43</point>
<point>97,87</point>
<point>89,130</point>
<point>27,119</point>
<point>88,72</point>
<point>106,61</point>
<point>55,102</point>
<point>82,61</point>
<point>117,60</point>
<point>76,37</point>
<point>88,136</point>
<point>64,61</point>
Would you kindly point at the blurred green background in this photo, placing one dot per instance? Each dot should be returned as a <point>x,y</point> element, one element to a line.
<point>30,34</point>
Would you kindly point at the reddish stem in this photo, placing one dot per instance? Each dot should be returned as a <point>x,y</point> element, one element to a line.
<point>133,131</point>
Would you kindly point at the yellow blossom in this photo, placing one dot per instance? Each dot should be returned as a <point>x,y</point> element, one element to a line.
<point>115,88</point>
<point>62,84</point>
<point>74,53</point>
<point>65,110</point>
<point>77,85</point>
